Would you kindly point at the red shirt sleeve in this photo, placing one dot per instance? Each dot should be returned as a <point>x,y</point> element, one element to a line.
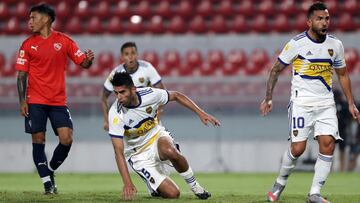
<point>76,55</point>
<point>22,61</point>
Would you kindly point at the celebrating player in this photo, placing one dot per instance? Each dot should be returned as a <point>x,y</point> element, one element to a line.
<point>138,138</point>
<point>314,54</point>
<point>142,73</point>
<point>41,64</point>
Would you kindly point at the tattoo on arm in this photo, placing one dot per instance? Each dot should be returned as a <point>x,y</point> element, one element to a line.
<point>274,75</point>
<point>22,85</point>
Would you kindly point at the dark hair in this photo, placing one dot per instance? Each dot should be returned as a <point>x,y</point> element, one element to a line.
<point>317,6</point>
<point>128,44</point>
<point>122,78</point>
<point>44,9</point>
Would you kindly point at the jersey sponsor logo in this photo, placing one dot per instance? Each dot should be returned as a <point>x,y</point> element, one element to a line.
<point>22,53</point>
<point>149,110</point>
<point>319,68</point>
<point>78,53</point>
<point>34,47</point>
<point>57,46</point>
<point>141,80</point>
<point>142,129</point>
<point>331,52</point>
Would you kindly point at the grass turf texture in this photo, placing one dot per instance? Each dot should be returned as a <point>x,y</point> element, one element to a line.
<point>228,187</point>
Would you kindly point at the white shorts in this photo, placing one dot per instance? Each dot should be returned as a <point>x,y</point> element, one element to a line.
<point>316,120</point>
<point>148,165</point>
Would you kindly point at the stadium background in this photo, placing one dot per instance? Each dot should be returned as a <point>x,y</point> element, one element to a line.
<point>217,52</point>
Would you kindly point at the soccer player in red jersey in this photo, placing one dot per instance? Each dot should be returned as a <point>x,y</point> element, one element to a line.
<point>41,65</point>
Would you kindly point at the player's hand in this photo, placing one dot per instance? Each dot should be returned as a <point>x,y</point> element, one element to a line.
<point>206,118</point>
<point>265,107</point>
<point>106,125</point>
<point>354,112</point>
<point>129,192</point>
<point>89,55</point>
<point>24,109</point>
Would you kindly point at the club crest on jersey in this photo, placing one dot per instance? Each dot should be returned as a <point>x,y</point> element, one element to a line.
<point>22,53</point>
<point>57,46</point>
<point>295,132</point>
<point>141,80</point>
<point>331,52</point>
<point>149,110</point>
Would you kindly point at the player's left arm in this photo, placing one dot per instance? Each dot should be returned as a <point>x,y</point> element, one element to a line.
<point>345,83</point>
<point>190,104</point>
<point>159,85</point>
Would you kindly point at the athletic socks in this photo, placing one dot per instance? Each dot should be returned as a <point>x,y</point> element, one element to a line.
<point>189,177</point>
<point>322,170</point>
<point>41,161</point>
<point>287,165</point>
<point>60,154</point>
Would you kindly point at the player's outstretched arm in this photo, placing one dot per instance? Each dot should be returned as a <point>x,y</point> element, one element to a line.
<point>22,86</point>
<point>187,102</point>
<point>105,107</point>
<point>346,87</point>
<point>266,104</point>
<point>129,190</point>
<point>89,59</point>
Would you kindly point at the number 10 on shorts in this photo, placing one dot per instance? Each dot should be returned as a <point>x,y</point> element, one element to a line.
<point>298,122</point>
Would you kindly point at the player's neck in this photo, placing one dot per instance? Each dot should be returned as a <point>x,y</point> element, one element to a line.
<point>133,69</point>
<point>315,37</point>
<point>45,32</point>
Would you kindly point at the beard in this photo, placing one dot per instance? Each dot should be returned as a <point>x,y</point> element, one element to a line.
<point>320,33</point>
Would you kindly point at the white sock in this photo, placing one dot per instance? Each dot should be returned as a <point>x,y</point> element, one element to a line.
<point>322,170</point>
<point>287,165</point>
<point>45,179</point>
<point>189,177</point>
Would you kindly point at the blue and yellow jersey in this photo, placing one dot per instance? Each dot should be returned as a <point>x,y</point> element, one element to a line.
<point>137,125</point>
<point>313,65</point>
<point>146,75</point>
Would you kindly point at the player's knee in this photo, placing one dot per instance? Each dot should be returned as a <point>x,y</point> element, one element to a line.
<point>171,194</point>
<point>66,140</point>
<point>171,153</point>
<point>328,147</point>
<point>297,150</point>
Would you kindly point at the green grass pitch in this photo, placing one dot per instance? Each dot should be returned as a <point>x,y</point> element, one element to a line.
<point>225,187</point>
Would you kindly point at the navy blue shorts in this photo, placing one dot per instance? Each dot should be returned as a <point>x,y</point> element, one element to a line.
<point>36,121</point>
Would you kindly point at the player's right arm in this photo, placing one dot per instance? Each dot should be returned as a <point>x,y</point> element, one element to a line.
<point>287,55</point>
<point>266,104</point>
<point>22,86</point>
<point>22,66</point>
<point>129,190</point>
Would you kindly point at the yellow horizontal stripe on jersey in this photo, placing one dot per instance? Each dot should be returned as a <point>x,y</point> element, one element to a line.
<point>314,70</point>
<point>142,129</point>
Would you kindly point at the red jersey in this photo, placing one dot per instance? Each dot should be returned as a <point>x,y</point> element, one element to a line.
<point>45,60</point>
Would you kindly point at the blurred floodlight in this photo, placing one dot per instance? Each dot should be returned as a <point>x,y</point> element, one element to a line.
<point>135,19</point>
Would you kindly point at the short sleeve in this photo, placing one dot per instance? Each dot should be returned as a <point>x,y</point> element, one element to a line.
<point>289,53</point>
<point>162,96</point>
<point>107,83</point>
<point>339,61</point>
<point>22,61</point>
<point>116,125</point>
<point>153,75</point>
<point>73,51</point>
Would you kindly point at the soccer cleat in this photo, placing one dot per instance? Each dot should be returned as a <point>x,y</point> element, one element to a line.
<point>49,188</point>
<point>200,192</point>
<point>274,194</point>
<point>316,198</point>
<point>52,178</point>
